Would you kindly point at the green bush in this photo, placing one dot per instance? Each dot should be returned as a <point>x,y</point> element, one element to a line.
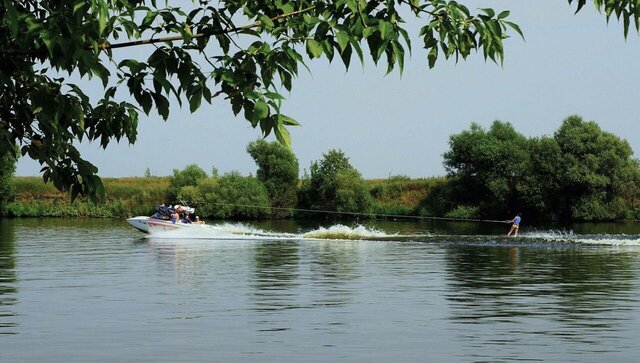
<point>352,194</point>
<point>335,185</point>
<point>7,188</point>
<point>190,175</point>
<point>233,196</point>
<point>278,171</point>
<point>464,212</point>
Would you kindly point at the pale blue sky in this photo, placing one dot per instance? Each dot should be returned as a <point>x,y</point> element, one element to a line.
<point>391,125</point>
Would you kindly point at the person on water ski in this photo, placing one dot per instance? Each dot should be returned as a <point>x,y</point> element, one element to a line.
<point>515,226</point>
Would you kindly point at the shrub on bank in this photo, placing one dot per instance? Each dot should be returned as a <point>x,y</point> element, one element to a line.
<point>64,208</point>
<point>125,197</point>
<point>233,196</point>
<point>401,195</point>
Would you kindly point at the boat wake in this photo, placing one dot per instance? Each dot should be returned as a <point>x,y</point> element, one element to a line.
<point>339,232</point>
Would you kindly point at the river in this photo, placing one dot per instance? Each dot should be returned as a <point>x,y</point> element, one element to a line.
<point>99,291</point>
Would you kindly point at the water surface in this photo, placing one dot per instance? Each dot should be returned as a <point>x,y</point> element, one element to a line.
<point>99,291</point>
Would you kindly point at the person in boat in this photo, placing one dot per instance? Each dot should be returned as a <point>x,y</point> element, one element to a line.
<point>179,212</point>
<point>198,220</point>
<point>175,217</point>
<point>515,226</point>
<point>187,218</point>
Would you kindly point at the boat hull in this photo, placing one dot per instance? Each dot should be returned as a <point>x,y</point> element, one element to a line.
<point>151,225</point>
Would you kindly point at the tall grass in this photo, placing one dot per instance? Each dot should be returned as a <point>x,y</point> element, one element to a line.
<point>401,195</point>
<point>397,195</point>
<point>125,197</point>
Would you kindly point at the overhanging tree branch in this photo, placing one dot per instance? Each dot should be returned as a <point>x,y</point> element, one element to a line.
<point>106,46</point>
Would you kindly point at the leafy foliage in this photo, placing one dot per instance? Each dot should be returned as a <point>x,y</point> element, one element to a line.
<point>625,10</point>
<point>401,195</point>
<point>189,176</point>
<point>582,173</point>
<point>489,166</point>
<point>7,168</point>
<point>278,171</point>
<point>127,197</point>
<point>335,185</point>
<point>233,196</point>
<point>599,175</point>
<point>243,51</point>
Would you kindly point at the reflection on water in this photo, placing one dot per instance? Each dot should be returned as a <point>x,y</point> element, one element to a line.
<point>276,274</point>
<point>7,278</point>
<point>579,295</point>
<point>105,293</point>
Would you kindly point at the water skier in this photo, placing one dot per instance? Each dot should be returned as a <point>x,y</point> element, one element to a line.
<point>515,226</point>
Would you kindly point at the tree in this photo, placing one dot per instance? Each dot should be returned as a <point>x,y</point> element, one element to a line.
<point>540,193</point>
<point>189,176</point>
<point>234,196</point>
<point>45,44</point>
<point>581,173</point>
<point>352,193</point>
<point>600,179</point>
<point>7,168</point>
<point>335,185</point>
<point>278,171</point>
<point>488,167</point>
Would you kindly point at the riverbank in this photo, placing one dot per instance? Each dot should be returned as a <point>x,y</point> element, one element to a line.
<point>138,196</point>
<point>125,197</point>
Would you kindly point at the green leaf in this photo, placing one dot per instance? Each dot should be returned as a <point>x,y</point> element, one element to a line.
<point>515,27</point>
<point>273,96</point>
<point>283,136</point>
<point>433,55</point>
<point>104,16</point>
<point>626,22</point>
<point>385,29</point>
<point>12,17</point>
<point>504,14</point>
<point>195,100</point>
<point>260,110</point>
<point>398,52</point>
<point>266,21</point>
<point>48,42</point>
<point>343,40</point>
<point>286,120</point>
<point>406,38</point>
<point>314,48</point>
<point>490,12</point>
<point>346,56</point>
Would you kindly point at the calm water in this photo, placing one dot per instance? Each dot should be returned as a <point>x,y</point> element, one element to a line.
<point>99,291</point>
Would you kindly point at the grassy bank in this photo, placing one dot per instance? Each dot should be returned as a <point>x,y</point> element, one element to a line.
<point>125,197</point>
<point>404,196</point>
<point>138,196</point>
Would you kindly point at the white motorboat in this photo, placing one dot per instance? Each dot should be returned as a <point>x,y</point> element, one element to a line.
<point>163,220</point>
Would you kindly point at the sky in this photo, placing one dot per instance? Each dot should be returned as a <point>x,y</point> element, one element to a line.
<point>400,124</point>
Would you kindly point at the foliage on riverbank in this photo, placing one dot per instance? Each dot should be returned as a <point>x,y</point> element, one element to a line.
<point>126,196</point>
<point>397,195</point>
<point>581,173</point>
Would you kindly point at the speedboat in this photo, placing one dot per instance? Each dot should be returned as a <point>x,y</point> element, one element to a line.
<point>163,220</point>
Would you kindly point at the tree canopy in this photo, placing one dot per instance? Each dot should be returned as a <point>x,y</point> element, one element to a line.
<point>335,185</point>
<point>278,171</point>
<point>246,52</point>
<point>187,177</point>
<point>581,173</point>
<point>7,168</point>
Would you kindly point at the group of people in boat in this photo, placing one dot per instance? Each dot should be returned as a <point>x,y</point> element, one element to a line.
<point>176,214</point>
<point>182,216</point>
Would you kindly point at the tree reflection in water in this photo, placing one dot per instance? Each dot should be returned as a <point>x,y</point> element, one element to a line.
<point>276,275</point>
<point>577,294</point>
<point>7,277</point>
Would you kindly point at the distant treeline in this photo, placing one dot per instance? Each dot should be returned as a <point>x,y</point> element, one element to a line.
<point>138,196</point>
<point>581,173</point>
